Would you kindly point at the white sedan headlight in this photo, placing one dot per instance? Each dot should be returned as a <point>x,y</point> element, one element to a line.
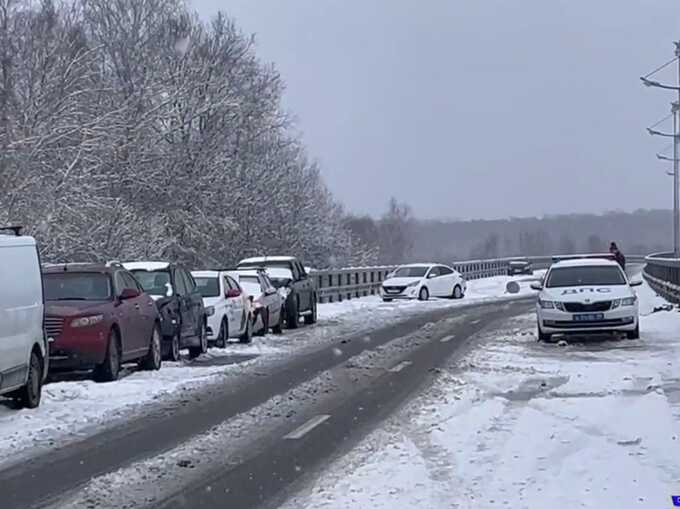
<point>551,304</point>
<point>210,310</point>
<point>629,301</point>
<point>411,285</point>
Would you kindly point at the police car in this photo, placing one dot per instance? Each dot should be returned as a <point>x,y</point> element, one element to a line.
<point>587,295</point>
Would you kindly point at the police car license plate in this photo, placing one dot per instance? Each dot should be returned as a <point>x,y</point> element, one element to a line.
<point>589,317</point>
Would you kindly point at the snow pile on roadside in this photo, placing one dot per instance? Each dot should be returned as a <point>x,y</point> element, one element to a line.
<point>523,424</point>
<point>479,290</point>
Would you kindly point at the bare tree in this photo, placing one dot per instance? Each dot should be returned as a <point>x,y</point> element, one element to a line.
<point>130,129</point>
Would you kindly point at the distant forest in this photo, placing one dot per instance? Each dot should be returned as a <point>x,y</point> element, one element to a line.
<point>398,237</point>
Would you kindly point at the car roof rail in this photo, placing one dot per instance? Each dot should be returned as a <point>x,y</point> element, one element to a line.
<point>16,230</point>
<point>114,263</point>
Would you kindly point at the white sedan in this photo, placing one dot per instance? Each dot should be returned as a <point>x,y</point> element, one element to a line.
<point>422,281</point>
<point>230,313</point>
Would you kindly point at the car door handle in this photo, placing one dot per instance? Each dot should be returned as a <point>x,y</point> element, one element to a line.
<point>137,306</point>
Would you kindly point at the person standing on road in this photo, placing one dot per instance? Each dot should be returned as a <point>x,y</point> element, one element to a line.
<point>618,255</point>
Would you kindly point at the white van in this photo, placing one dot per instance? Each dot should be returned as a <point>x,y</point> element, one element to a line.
<point>23,345</point>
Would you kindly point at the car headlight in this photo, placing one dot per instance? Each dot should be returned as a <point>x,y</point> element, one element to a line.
<point>546,304</point>
<point>210,310</point>
<point>411,285</point>
<point>629,301</point>
<point>86,321</point>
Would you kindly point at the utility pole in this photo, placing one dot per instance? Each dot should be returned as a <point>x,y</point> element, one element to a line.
<point>675,112</point>
<point>676,177</point>
<point>676,180</point>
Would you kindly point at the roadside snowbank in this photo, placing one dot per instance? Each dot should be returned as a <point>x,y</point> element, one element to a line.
<point>524,424</point>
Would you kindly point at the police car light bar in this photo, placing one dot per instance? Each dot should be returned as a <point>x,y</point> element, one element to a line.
<point>589,256</point>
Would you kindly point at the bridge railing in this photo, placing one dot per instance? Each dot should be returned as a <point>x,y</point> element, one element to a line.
<point>662,273</point>
<point>335,285</point>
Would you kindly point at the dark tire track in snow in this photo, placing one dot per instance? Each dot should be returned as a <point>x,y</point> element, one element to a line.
<point>283,465</point>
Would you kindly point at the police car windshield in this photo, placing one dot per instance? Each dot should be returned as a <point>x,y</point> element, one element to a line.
<point>585,276</point>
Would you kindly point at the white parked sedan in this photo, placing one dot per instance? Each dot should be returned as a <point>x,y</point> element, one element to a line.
<point>230,313</point>
<point>422,281</point>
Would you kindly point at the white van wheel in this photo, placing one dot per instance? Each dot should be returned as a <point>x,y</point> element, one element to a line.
<point>29,395</point>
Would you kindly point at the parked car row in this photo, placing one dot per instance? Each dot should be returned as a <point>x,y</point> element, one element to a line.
<point>98,316</point>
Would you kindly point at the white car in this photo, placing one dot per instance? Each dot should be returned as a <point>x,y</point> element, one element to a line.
<point>268,303</point>
<point>586,296</point>
<point>23,345</point>
<point>227,307</point>
<point>422,281</point>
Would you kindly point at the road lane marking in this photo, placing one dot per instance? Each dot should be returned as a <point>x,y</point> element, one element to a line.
<point>400,366</point>
<point>475,322</point>
<point>307,427</point>
<point>446,339</point>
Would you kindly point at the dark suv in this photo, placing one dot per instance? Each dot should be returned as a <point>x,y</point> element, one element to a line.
<point>288,275</point>
<point>183,317</point>
<point>97,316</point>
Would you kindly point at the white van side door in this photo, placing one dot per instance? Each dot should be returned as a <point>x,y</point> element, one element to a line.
<point>21,308</point>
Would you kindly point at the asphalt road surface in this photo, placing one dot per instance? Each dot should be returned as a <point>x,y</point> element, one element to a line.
<point>280,462</point>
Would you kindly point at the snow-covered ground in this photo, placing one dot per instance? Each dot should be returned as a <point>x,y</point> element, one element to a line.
<point>522,424</point>
<point>73,409</point>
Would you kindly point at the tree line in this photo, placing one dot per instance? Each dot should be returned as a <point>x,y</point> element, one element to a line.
<point>131,129</point>
<point>400,237</point>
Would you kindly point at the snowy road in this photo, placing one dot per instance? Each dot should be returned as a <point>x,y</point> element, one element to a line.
<point>75,409</point>
<point>222,402</point>
<point>520,424</point>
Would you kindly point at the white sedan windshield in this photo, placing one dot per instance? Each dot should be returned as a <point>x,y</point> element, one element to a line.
<point>410,271</point>
<point>580,276</point>
<point>250,285</point>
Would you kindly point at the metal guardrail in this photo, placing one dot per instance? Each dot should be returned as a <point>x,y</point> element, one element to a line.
<point>336,285</point>
<point>662,273</point>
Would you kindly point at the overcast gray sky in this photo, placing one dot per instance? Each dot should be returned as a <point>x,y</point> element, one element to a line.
<point>474,108</point>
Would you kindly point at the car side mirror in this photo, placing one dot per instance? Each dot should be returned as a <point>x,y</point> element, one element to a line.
<point>536,286</point>
<point>431,276</point>
<point>129,293</point>
<point>169,290</point>
<point>232,292</point>
<point>637,282</point>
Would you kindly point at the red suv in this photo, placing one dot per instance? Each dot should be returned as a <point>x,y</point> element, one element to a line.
<point>98,317</point>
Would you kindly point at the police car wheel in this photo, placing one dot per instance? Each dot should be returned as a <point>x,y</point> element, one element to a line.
<point>634,334</point>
